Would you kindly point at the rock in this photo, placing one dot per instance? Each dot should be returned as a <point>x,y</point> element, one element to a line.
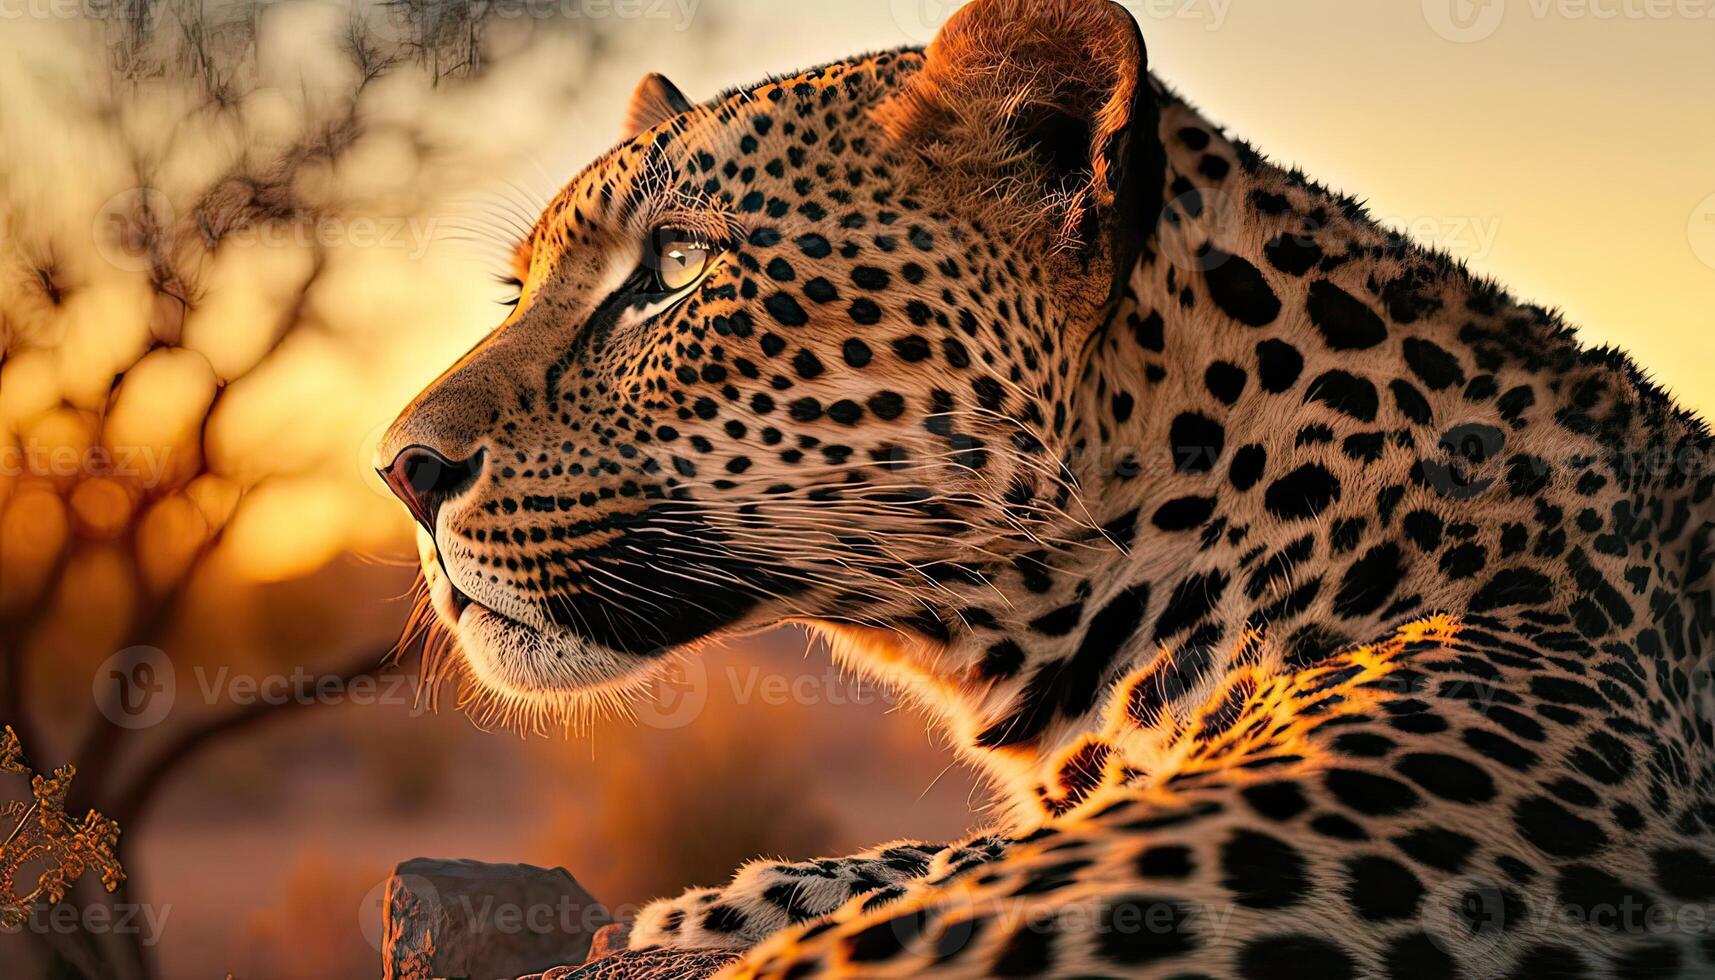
<point>484,921</point>
<point>610,940</point>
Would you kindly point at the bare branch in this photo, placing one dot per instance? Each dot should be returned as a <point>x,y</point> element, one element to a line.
<point>139,792</point>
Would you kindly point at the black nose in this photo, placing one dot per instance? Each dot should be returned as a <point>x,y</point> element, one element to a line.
<point>424,480</point>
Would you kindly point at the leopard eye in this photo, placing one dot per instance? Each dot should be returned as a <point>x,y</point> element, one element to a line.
<point>677,260</point>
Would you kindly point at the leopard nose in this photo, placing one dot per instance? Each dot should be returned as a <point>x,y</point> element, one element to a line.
<point>424,480</point>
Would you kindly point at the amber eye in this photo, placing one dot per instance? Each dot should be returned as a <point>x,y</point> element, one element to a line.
<point>678,260</point>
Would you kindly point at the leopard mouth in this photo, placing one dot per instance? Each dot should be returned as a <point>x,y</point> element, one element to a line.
<point>654,600</point>
<point>529,662</point>
<point>460,602</point>
<point>666,580</point>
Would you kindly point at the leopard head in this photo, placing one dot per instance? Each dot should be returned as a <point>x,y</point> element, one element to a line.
<point>807,352</point>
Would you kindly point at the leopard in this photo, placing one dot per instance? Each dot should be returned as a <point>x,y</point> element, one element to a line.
<point>1316,608</point>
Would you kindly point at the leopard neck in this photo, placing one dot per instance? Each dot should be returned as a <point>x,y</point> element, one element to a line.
<point>1298,432</point>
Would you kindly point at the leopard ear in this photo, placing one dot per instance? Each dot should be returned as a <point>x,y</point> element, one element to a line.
<point>655,101</point>
<point>1045,104</point>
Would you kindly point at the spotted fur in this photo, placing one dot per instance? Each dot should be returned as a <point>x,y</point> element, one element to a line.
<point>1320,610</point>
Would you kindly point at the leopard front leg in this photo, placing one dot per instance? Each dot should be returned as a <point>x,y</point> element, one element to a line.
<point>765,897</point>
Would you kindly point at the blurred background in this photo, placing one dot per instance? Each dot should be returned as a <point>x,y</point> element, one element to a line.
<point>237,235</point>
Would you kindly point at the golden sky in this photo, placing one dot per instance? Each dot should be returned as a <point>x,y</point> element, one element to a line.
<point>1564,147</point>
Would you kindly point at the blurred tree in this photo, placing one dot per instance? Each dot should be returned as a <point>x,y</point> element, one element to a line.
<point>206,271</point>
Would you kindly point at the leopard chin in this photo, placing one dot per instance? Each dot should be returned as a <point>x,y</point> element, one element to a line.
<point>519,661</point>
<point>522,674</point>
